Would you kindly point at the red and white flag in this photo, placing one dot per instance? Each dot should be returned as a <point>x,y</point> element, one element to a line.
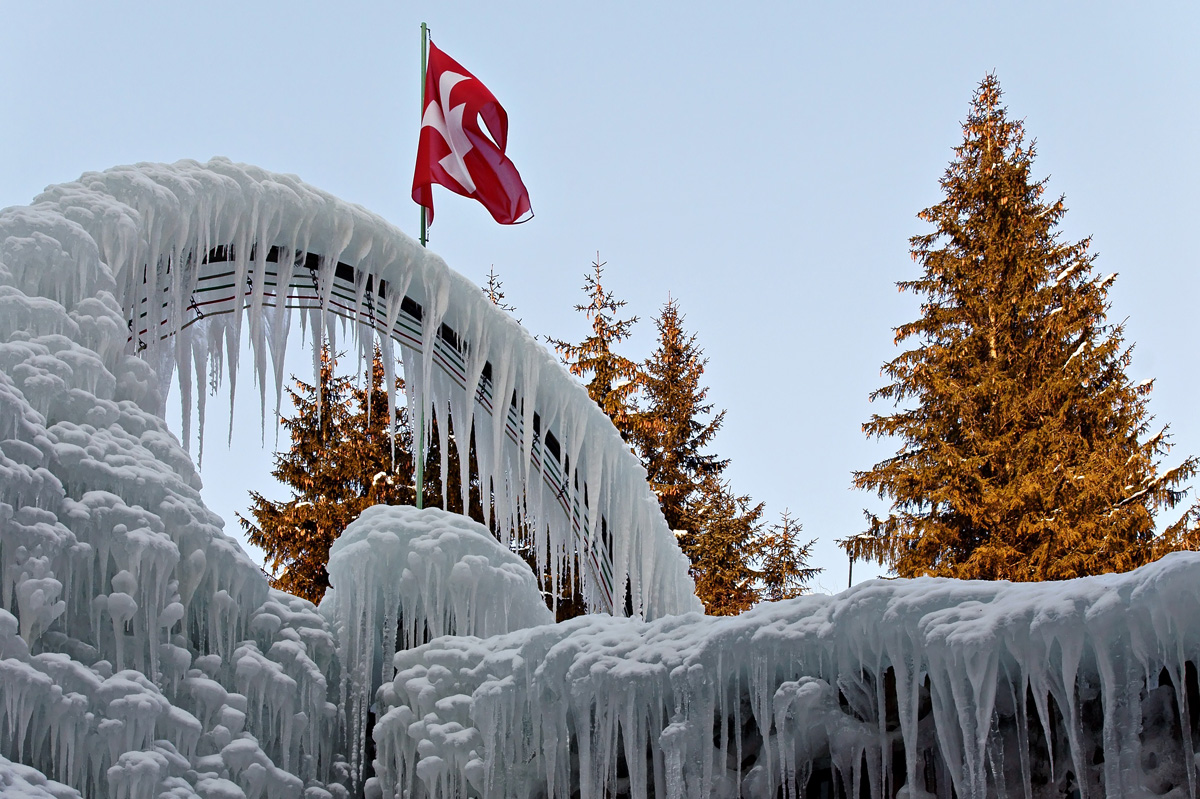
<point>457,152</point>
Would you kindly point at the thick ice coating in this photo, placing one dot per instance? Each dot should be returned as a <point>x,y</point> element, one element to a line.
<point>402,576</point>
<point>908,688</point>
<point>141,652</point>
<point>193,259</point>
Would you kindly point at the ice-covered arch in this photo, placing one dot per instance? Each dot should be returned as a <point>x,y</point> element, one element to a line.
<point>204,256</point>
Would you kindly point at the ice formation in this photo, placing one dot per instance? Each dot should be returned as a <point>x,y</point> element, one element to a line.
<point>199,257</point>
<point>142,655</point>
<point>141,652</point>
<point>907,688</point>
<point>402,576</point>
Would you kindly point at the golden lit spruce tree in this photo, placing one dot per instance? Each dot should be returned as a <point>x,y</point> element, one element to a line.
<point>614,379</point>
<point>339,463</point>
<point>785,572</point>
<point>719,531</point>
<point>725,548</point>
<point>1027,453</point>
<point>676,424</point>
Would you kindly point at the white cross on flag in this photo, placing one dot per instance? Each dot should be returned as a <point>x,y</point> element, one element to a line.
<point>456,151</point>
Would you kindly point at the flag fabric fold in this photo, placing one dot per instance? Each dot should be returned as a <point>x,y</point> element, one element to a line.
<point>457,152</point>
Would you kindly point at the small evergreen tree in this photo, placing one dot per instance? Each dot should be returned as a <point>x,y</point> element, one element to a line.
<point>722,552</point>
<point>1026,452</point>
<point>494,289</point>
<point>340,462</point>
<point>672,431</point>
<point>614,378</point>
<point>785,571</point>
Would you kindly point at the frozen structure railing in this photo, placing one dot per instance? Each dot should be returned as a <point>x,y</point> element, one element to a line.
<point>206,255</point>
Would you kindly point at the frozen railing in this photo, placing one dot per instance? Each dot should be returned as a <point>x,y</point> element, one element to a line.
<point>203,254</point>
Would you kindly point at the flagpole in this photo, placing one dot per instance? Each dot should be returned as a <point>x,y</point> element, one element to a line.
<point>424,67</point>
<point>419,442</point>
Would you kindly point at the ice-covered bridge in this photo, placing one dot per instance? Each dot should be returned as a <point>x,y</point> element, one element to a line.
<point>206,256</point>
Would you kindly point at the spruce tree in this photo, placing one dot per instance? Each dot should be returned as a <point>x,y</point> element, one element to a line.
<point>785,571</point>
<point>723,550</point>
<point>1027,453</point>
<point>340,462</point>
<point>494,290</point>
<point>674,424</point>
<point>614,379</point>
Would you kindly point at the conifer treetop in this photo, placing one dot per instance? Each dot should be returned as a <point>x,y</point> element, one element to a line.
<point>785,571</point>
<point>614,378</point>
<point>676,424</point>
<point>494,289</point>
<point>724,550</point>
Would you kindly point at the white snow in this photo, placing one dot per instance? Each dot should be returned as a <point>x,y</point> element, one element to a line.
<point>18,781</point>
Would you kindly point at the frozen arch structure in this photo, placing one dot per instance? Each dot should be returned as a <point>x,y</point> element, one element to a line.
<point>143,655</point>
<point>206,256</point>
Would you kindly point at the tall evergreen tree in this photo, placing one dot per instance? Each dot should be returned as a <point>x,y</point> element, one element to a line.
<point>674,427</point>
<point>1027,452</point>
<point>614,379</point>
<point>723,551</point>
<point>785,571</point>
<point>340,462</point>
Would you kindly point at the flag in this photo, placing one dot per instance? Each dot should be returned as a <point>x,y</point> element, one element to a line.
<point>456,152</point>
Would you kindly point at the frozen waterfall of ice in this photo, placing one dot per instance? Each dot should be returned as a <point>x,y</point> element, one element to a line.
<point>142,655</point>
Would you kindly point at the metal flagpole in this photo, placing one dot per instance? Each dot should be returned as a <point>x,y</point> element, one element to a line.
<point>419,439</point>
<point>424,67</point>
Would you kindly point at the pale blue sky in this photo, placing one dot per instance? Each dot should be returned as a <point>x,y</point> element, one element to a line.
<point>762,162</point>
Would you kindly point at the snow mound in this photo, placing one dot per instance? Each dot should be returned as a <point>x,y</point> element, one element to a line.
<point>898,688</point>
<point>417,574</point>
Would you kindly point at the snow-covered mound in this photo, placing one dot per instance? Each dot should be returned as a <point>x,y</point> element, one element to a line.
<point>909,687</point>
<point>402,576</point>
<point>18,781</point>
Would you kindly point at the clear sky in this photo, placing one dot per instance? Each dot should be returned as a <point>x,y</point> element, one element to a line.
<point>761,162</point>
